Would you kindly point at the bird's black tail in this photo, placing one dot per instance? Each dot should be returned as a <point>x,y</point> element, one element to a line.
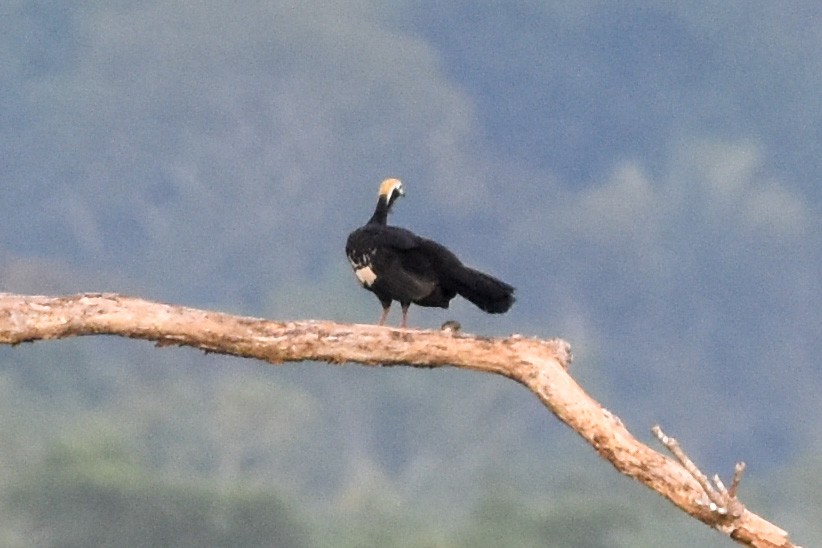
<point>487,292</point>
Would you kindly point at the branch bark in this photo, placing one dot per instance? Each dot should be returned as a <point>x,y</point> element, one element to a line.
<point>539,365</point>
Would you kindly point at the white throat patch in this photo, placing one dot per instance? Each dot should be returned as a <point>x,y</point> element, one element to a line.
<point>365,275</point>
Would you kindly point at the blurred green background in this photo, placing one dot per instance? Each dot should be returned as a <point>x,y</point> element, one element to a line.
<point>645,174</point>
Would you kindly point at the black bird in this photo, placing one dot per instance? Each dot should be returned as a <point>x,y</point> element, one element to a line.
<point>397,265</point>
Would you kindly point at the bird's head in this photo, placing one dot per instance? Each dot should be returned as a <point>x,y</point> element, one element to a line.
<point>390,190</point>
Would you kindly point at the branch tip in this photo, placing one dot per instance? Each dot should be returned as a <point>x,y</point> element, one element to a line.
<point>739,469</point>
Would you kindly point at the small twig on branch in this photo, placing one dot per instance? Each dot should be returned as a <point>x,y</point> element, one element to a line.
<point>540,366</point>
<point>720,500</point>
<point>739,469</point>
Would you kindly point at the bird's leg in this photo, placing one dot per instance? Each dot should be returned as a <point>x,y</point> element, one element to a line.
<point>384,314</point>
<point>404,322</point>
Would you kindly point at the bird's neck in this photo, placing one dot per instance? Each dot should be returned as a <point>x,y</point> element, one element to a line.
<point>380,216</point>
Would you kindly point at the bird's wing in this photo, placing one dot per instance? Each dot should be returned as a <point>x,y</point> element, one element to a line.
<point>395,278</point>
<point>405,267</point>
<point>485,291</point>
<point>398,238</point>
<point>420,256</point>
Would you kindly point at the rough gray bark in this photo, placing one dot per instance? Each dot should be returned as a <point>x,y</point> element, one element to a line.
<point>539,365</point>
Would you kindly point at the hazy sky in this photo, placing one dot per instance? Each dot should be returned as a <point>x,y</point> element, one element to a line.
<point>646,175</point>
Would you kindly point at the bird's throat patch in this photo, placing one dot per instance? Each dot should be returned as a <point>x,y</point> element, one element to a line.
<point>365,275</point>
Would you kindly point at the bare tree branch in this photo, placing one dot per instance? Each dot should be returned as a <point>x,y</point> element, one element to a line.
<point>539,365</point>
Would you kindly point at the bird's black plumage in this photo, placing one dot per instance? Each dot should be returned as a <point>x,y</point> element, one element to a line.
<point>397,265</point>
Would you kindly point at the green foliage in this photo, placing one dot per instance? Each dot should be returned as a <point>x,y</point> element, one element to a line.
<point>90,491</point>
<point>402,460</point>
<point>589,523</point>
<point>793,499</point>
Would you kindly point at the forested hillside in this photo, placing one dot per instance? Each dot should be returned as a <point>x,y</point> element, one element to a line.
<point>645,175</point>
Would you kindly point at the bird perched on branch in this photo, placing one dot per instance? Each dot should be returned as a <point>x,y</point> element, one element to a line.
<point>397,265</point>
